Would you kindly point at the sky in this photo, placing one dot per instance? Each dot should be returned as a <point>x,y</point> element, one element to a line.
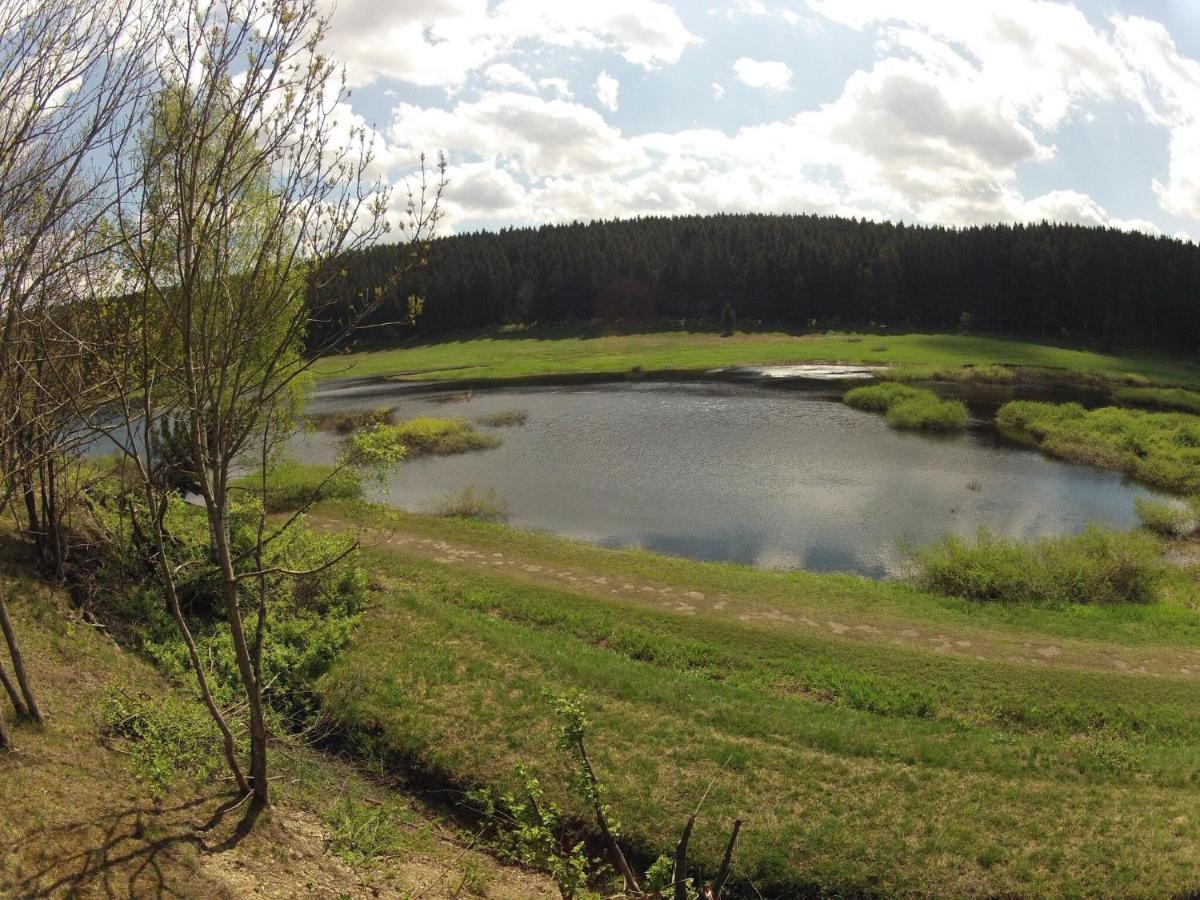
<point>952,112</point>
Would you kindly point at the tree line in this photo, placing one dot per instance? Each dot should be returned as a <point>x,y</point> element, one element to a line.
<point>1092,285</point>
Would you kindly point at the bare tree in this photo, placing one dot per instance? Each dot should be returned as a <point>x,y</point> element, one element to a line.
<point>251,180</point>
<point>69,76</point>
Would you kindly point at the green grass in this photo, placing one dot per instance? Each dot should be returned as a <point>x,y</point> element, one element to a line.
<point>292,485</point>
<point>1159,449</point>
<point>1176,399</point>
<point>473,503</point>
<point>532,354</point>
<point>862,767</point>
<point>909,407</point>
<point>1098,566</point>
<point>1171,519</point>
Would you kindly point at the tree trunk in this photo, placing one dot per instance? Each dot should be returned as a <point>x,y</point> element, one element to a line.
<point>245,663</point>
<point>229,749</point>
<point>5,740</point>
<point>679,873</point>
<point>11,690</point>
<point>14,651</point>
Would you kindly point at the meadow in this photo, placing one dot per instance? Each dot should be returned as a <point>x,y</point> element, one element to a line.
<point>876,738</point>
<point>500,355</point>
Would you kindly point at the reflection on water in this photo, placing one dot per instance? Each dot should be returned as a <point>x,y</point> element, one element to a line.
<point>776,478</point>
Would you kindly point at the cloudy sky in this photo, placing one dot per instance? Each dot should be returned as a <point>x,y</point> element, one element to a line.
<point>933,111</point>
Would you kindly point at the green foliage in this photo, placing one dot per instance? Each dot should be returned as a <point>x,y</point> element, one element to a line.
<point>484,504</point>
<point>386,444</point>
<point>531,832</point>
<point>909,407</point>
<point>1176,399</point>
<point>1161,449</point>
<point>168,738</point>
<point>292,485</point>
<point>728,319</point>
<point>1096,567</point>
<point>1170,519</point>
<point>360,832</point>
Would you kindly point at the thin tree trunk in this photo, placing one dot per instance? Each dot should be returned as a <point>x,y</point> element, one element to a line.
<point>5,740</point>
<point>229,749</point>
<point>723,873</point>
<point>11,689</point>
<point>18,661</point>
<point>679,874</point>
<point>245,663</point>
<point>614,849</point>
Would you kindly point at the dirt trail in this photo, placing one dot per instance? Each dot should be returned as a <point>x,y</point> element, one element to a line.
<point>980,644</point>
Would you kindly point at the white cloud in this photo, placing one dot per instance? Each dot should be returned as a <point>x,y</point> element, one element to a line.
<point>507,75</point>
<point>440,42</point>
<point>766,74</point>
<point>718,90</point>
<point>559,86</point>
<point>545,137</point>
<point>607,89</point>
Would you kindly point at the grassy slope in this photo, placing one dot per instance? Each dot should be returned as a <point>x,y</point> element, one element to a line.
<point>499,355</point>
<point>861,763</point>
<point>78,822</point>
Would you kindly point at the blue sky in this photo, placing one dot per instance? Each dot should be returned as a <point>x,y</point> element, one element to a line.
<point>929,111</point>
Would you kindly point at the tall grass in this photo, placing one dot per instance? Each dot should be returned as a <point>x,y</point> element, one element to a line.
<point>349,421</point>
<point>427,436</point>
<point>1161,449</point>
<point>1170,519</point>
<point>1098,566</point>
<point>1176,399</point>
<point>909,407</point>
<point>471,503</point>
<point>505,418</point>
<point>291,485</point>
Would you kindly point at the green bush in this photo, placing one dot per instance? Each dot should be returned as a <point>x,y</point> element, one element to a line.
<point>420,437</point>
<point>909,407</point>
<point>168,738</point>
<point>292,485</point>
<point>1172,520</point>
<point>1161,449</point>
<point>1098,566</point>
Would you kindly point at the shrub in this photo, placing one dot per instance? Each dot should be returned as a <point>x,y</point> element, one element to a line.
<point>291,485</point>
<point>349,421</point>
<point>1172,520</point>
<point>424,436</point>
<point>168,738</point>
<point>506,418</point>
<point>1098,566</point>
<point>470,503</point>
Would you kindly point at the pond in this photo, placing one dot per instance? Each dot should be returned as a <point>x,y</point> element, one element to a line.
<point>774,477</point>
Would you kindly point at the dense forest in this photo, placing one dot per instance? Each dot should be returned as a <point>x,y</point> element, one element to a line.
<point>1093,285</point>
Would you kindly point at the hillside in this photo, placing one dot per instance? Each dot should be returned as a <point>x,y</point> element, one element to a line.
<point>799,272</point>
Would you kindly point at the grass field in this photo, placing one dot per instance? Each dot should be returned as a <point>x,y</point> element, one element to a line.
<point>526,354</point>
<point>877,740</point>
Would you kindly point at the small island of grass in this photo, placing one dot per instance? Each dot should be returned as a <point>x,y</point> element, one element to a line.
<point>909,407</point>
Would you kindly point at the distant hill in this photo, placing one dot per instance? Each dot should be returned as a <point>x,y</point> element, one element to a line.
<point>1091,285</point>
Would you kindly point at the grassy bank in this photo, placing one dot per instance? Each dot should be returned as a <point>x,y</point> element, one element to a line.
<point>864,762</point>
<point>531,354</point>
<point>1158,448</point>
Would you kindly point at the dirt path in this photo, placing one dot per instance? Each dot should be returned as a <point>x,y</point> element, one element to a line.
<point>980,644</point>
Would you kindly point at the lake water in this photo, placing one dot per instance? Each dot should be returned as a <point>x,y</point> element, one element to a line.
<point>725,471</point>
